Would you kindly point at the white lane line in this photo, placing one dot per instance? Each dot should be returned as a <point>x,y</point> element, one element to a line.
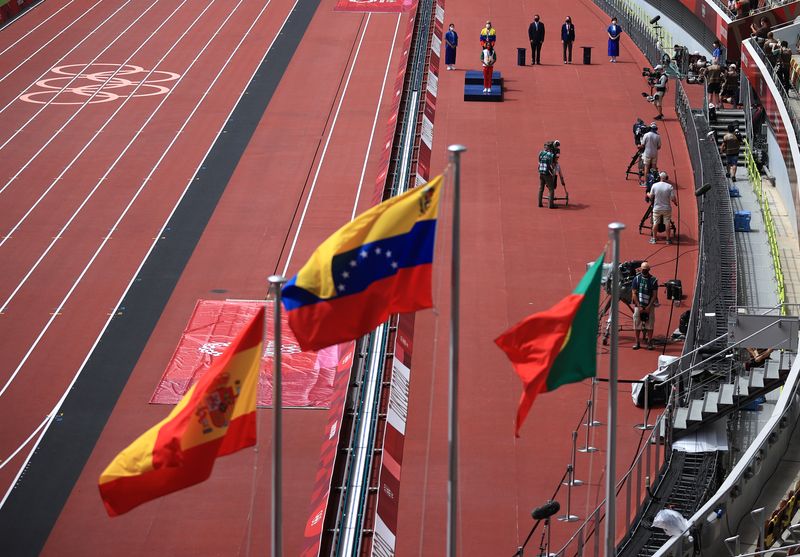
<point>22,446</point>
<point>124,212</point>
<point>54,412</point>
<point>38,50</point>
<point>70,51</point>
<point>374,121</point>
<point>86,103</point>
<point>130,96</point>
<point>325,149</point>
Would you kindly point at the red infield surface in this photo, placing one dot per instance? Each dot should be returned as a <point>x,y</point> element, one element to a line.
<point>89,180</point>
<point>517,259</point>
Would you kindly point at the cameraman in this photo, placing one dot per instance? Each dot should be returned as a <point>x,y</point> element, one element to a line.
<point>651,144</point>
<point>645,297</point>
<point>547,171</point>
<point>659,78</point>
<point>639,129</point>
<point>730,150</point>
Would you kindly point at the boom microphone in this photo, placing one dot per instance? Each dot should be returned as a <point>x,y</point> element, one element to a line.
<point>702,190</point>
<point>545,511</point>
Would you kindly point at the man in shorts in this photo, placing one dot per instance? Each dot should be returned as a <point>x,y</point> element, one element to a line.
<point>661,195</point>
<point>713,76</point>
<point>730,151</point>
<point>651,143</point>
<point>644,297</point>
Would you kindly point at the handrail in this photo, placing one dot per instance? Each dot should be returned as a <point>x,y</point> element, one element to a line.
<point>785,404</point>
<point>581,535</point>
<point>784,94</point>
<point>769,223</point>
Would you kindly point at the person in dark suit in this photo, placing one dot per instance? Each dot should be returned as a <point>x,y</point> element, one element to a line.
<point>536,36</point>
<point>567,38</point>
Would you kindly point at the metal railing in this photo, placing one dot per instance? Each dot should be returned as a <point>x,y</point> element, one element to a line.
<point>632,492</point>
<point>636,23</point>
<point>749,467</point>
<point>775,76</point>
<point>715,288</point>
<point>769,223</point>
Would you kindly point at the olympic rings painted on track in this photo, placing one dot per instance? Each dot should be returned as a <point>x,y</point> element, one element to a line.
<point>95,79</point>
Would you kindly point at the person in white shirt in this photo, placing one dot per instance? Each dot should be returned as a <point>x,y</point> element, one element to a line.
<point>488,58</point>
<point>662,194</point>
<point>651,143</point>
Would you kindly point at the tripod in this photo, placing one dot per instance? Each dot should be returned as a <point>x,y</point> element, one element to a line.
<point>647,222</point>
<point>624,298</point>
<point>636,158</point>
<point>544,544</point>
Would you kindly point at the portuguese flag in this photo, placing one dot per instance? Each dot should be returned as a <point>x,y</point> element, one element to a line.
<point>216,417</point>
<point>556,346</point>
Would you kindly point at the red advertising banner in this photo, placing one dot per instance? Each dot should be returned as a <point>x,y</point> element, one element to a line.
<point>385,6</point>
<point>308,377</point>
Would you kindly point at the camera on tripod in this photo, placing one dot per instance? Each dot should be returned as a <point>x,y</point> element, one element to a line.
<point>651,75</point>
<point>553,146</point>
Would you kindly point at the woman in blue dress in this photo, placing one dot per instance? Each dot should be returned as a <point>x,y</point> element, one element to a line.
<point>451,43</point>
<point>614,32</point>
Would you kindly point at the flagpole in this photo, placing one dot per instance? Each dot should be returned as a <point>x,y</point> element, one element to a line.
<point>614,230</point>
<point>276,283</point>
<point>452,431</point>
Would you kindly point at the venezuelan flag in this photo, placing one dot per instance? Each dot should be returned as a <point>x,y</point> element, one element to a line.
<point>376,265</point>
<point>215,418</point>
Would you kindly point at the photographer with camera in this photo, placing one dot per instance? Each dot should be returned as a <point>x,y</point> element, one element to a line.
<point>651,144</point>
<point>547,171</point>
<point>661,195</point>
<point>644,297</point>
<point>730,151</point>
<point>658,80</point>
<point>639,129</point>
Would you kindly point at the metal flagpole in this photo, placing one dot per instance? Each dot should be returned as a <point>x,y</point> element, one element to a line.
<point>452,431</point>
<point>276,283</point>
<point>614,230</point>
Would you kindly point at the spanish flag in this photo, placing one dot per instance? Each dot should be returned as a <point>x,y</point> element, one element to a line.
<point>376,265</point>
<point>215,418</point>
<point>556,346</point>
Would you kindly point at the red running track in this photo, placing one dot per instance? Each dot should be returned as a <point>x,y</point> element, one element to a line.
<point>518,259</point>
<point>311,163</point>
<point>298,180</point>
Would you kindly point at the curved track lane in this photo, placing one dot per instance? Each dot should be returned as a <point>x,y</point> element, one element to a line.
<point>316,145</point>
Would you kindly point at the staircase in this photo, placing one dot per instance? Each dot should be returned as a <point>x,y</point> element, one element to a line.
<point>712,397</point>
<point>720,127</point>
<point>684,488</point>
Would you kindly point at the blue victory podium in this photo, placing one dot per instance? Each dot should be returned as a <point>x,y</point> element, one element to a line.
<point>473,87</point>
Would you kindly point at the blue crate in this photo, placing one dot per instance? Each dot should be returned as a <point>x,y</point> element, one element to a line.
<point>733,191</point>
<point>741,221</point>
